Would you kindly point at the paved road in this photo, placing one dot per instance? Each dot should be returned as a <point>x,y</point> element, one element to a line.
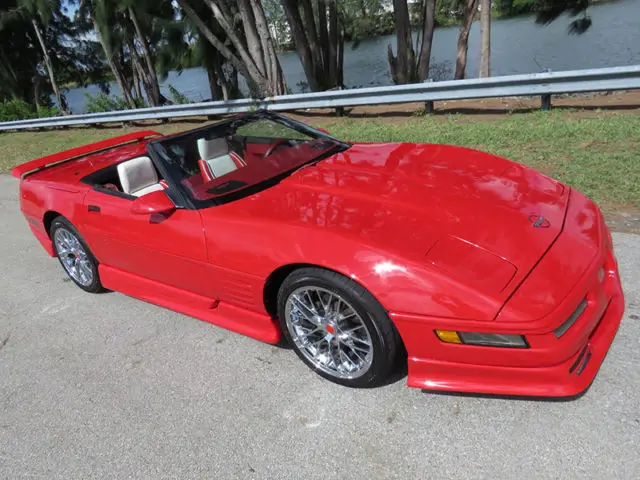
<point>105,386</point>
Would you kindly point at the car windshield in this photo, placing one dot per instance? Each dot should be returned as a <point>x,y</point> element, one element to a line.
<point>226,161</point>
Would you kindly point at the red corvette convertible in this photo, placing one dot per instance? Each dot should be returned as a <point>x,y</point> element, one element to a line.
<point>483,275</point>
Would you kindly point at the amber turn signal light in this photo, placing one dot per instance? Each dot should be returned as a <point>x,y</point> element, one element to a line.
<point>448,336</point>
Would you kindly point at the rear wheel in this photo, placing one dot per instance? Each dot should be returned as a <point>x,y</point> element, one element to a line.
<point>75,256</point>
<point>337,328</point>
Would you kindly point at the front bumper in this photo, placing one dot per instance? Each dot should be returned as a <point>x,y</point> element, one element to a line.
<point>563,366</point>
<point>565,379</point>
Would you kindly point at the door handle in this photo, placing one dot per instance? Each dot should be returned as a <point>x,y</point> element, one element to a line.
<point>93,208</point>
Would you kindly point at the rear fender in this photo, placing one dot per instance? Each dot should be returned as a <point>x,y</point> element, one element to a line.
<point>37,199</point>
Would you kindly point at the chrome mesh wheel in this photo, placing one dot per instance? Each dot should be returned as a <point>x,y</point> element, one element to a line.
<point>73,256</point>
<point>329,332</point>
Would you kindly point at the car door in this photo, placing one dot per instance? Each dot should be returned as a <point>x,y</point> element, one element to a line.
<point>167,248</point>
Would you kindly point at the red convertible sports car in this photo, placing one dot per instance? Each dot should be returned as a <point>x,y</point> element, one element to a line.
<point>482,274</point>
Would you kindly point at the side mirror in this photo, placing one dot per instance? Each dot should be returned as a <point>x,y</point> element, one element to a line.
<point>322,130</point>
<point>154,202</point>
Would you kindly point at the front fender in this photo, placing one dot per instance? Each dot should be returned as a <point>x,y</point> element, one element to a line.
<point>400,285</point>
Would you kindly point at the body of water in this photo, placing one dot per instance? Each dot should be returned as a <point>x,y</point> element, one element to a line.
<point>518,45</point>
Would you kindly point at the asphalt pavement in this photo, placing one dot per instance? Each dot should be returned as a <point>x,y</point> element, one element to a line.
<point>107,386</point>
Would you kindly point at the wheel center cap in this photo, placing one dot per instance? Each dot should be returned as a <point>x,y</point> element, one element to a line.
<point>330,329</point>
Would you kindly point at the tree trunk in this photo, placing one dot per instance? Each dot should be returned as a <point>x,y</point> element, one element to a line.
<point>341,59</point>
<point>215,75</point>
<point>47,61</point>
<point>214,87</point>
<point>139,73</point>
<point>254,44</point>
<point>274,70</point>
<point>402,65</point>
<point>485,51</point>
<point>36,91</point>
<point>153,94</point>
<point>323,32</point>
<point>232,83</point>
<point>301,43</point>
<point>463,38</point>
<point>224,85</point>
<point>136,84</point>
<point>429,24</point>
<point>115,68</point>
<point>318,41</point>
<point>334,39</point>
<point>312,39</point>
<point>255,78</point>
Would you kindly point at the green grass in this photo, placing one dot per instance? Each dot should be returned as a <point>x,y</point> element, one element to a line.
<point>593,152</point>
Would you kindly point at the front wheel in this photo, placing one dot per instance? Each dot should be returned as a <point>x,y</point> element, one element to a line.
<point>337,328</point>
<point>75,256</point>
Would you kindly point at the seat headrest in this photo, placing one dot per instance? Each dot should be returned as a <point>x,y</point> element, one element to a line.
<point>212,148</point>
<point>136,174</point>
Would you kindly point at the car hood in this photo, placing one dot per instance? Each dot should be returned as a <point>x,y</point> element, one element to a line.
<point>481,219</point>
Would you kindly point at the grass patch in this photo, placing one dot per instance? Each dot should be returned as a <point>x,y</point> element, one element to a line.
<point>595,154</point>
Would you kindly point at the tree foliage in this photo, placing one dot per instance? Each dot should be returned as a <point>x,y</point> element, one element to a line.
<point>25,72</point>
<point>250,47</point>
<point>548,11</point>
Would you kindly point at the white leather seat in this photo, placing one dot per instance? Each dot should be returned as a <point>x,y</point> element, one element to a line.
<point>217,156</point>
<point>138,177</point>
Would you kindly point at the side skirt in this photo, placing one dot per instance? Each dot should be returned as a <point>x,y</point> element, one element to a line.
<point>259,326</point>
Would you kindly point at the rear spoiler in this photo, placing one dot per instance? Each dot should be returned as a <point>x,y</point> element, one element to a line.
<point>21,171</point>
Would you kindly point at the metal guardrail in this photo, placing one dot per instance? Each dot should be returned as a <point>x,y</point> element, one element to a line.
<point>537,84</point>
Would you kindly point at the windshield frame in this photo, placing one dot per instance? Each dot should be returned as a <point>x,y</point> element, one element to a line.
<point>155,152</point>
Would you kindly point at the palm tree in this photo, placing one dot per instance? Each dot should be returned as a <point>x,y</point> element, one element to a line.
<point>151,23</point>
<point>101,17</point>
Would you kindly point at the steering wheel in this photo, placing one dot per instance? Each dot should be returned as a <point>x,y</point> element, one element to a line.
<point>279,143</point>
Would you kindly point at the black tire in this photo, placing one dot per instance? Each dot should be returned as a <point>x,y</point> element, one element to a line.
<point>386,342</point>
<point>62,223</point>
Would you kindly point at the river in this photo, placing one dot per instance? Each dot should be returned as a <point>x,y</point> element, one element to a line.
<point>519,45</point>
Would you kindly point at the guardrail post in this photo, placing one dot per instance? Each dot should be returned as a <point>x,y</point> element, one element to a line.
<point>429,107</point>
<point>545,103</point>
